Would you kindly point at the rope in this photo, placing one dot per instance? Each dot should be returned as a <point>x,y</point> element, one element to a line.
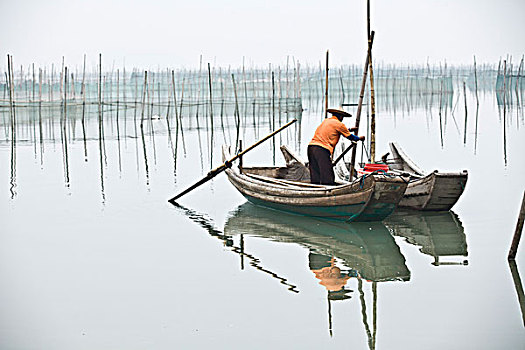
<point>382,173</point>
<point>366,151</point>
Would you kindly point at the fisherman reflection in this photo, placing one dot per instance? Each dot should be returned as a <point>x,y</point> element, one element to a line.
<point>330,276</point>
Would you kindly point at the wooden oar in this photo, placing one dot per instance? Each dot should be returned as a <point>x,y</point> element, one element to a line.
<point>214,172</point>
<point>344,152</point>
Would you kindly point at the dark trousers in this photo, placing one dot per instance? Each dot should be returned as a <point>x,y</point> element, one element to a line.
<point>320,164</point>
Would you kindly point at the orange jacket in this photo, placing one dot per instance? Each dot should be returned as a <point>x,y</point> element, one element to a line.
<point>327,134</point>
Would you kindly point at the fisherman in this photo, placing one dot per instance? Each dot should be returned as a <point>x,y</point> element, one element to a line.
<point>321,148</point>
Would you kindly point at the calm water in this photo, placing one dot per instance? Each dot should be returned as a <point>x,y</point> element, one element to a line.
<point>93,257</point>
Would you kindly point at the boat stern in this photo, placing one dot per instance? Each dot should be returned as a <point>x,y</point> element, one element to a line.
<point>388,192</point>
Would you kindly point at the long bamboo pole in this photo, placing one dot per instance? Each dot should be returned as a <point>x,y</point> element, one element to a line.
<point>372,97</point>
<point>360,104</point>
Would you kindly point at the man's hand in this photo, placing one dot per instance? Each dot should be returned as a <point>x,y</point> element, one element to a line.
<point>362,138</point>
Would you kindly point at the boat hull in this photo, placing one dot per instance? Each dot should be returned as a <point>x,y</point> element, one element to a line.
<point>435,192</point>
<point>339,212</point>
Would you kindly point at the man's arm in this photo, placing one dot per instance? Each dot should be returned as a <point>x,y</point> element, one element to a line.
<point>344,130</point>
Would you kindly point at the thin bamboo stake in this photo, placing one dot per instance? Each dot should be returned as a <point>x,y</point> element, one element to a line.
<point>100,129</point>
<point>40,116</point>
<point>326,88</point>
<point>287,77</point>
<point>64,126</point>
<point>273,115</point>
<point>62,80</point>
<point>174,95</point>
<point>142,127</point>
<point>83,122</point>
<point>118,125</point>
<point>476,80</point>
<point>236,115</point>
<point>150,119</point>
<point>518,102</point>
<point>33,83</point>
<point>211,115</point>
<point>180,118</point>
<point>13,126</point>
<point>245,92</point>
<point>99,91</point>
<point>198,92</point>
<point>170,139</point>
<point>505,111</point>
<point>342,87</point>
<point>440,119</point>
<point>10,83</point>
<point>466,115</point>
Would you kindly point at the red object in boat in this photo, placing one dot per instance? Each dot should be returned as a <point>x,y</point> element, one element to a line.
<point>371,167</point>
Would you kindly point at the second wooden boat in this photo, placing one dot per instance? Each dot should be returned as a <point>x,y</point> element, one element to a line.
<point>433,192</point>
<point>436,191</point>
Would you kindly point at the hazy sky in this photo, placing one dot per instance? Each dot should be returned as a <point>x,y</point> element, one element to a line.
<point>175,33</point>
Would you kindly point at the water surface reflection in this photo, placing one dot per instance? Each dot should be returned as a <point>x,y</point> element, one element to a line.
<point>338,253</point>
<point>440,234</point>
<point>366,250</point>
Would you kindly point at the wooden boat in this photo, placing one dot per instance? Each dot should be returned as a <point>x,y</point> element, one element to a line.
<point>369,198</point>
<point>434,192</point>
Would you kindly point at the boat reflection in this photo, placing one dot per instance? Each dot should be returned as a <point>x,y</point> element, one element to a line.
<point>439,234</point>
<point>366,249</point>
<point>338,252</point>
